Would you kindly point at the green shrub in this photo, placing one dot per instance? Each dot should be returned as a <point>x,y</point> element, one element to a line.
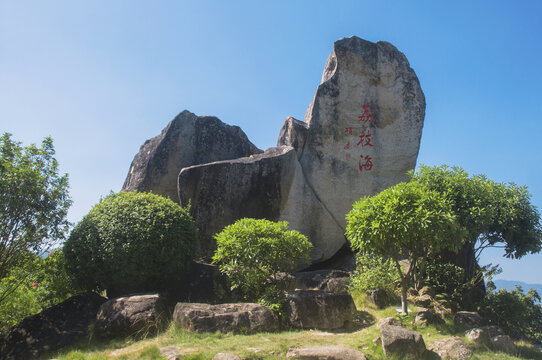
<point>40,284</point>
<point>131,242</point>
<point>518,314</point>
<point>373,272</point>
<point>444,278</point>
<point>252,252</point>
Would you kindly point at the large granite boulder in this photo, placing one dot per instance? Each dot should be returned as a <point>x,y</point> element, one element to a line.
<point>362,131</point>
<point>225,317</point>
<point>52,329</point>
<point>315,309</point>
<point>401,342</point>
<point>187,140</point>
<point>361,134</point>
<point>138,314</point>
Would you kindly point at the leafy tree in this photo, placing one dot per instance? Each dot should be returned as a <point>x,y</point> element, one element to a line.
<point>374,272</point>
<point>251,252</point>
<point>517,313</point>
<point>34,202</point>
<point>404,221</point>
<point>131,242</point>
<point>48,284</point>
<point>494,214</point>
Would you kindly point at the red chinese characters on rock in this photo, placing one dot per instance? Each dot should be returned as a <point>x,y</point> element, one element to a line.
<point>365,163</point>
<point>366,116</point>
<point>365,139</point>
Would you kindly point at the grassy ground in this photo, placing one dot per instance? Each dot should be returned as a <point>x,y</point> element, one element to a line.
<point>275,345</point>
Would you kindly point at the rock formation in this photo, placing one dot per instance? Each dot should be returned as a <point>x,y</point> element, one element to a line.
<point>361,134</point>
<point>187,140</point>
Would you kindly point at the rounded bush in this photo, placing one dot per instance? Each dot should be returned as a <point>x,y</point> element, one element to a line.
<point>251,252</point>
<point>131,242</point>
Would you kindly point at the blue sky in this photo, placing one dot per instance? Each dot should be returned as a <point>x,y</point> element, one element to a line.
<point>101,77</point>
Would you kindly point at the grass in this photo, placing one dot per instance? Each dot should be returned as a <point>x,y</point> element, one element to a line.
<point>272,346</point>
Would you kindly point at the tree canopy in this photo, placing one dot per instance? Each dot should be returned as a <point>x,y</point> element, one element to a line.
<point>406,220</point>
<point>34,201</point>
<point>493,214</point>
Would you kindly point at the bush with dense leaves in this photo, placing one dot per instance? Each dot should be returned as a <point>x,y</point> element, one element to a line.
<point>517,313</point>
<point>374,272</point>
<point>444,278</point>
<point>252,252</point>
<point>34,288</point>
<point>131,242</point>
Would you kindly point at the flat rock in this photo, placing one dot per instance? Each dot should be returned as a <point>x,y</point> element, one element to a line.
<point>171,352</point>
<point>427,317</point>
<point>131,315</point>
<point>401,342</point>
<point>467,320</point>
<point>503,343</point>
<point>226,356</point>
<point>187,140</point>
<point>451,348</point>
<point>225,317</point>
<point>314,309</point>
<point>52,329</point>
<point>329,352</point>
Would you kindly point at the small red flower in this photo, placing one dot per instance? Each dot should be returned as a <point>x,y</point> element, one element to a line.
<point>35,284</point>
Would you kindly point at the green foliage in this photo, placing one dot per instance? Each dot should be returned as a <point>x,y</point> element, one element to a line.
<point>491,212</point>
<point>46,285</point>
<point>518,314</point>
<point>374,272</point>
<point>34,201</point>
<point>252,252</point>
<point>444,278</point>
<point>406,220</point>
<point>131,242</point>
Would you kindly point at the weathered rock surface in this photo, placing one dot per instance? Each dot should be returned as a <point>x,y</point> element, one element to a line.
<point>361,134</point>
<point>400,341</point>
<point>503,343</point>
<point>329,352</point>
<point>478,336</point>
<point>451,348</point>
<point>314,309</point>
<point>187,140</point>
<point>171,352</point>
<point>130,315</point>
<point>316,279</point>
<point>225,191</point>
<point>467,319</point>
<point>362,131</point>
<point>379,297</point>
<point>388,321</point>
<point>427,317</point>
<point>54,328</point>
<point>226,356</point>
<point>225,317</point>
<point>336,284</point>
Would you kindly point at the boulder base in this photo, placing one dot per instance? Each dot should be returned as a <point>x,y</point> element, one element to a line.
<point>323,310</point>
<point>54,328</point>
<point>329,352</point>
<point>131,315</point>
<point>241,317</point>
<point>402,342</point>
<point>452,348</point>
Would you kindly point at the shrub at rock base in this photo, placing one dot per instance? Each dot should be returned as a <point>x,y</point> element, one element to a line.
<point>131,242</point>
<point>251,252</point>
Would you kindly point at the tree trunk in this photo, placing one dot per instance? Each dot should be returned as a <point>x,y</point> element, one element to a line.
<point>404,288</point>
